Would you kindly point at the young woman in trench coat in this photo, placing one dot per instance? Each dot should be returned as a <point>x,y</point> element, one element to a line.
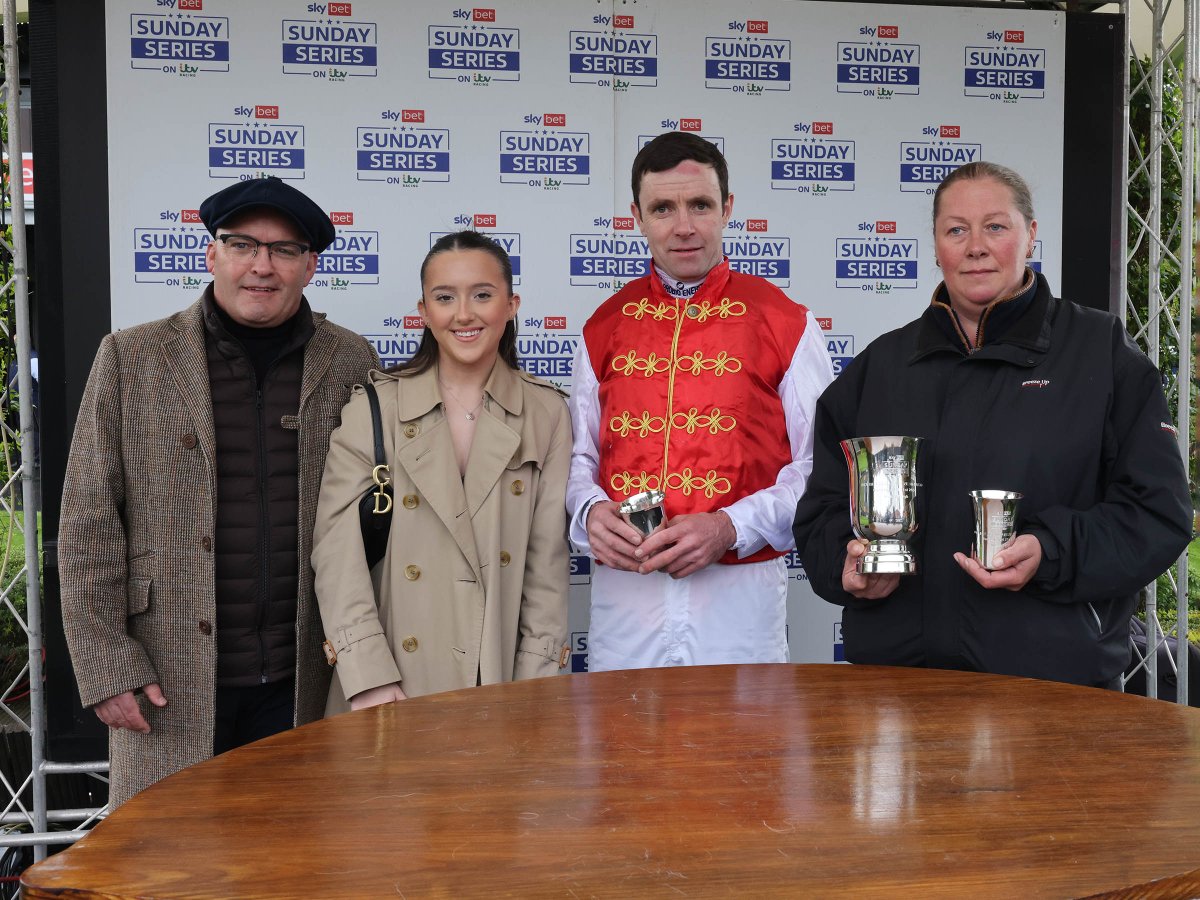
<point>473,587</point>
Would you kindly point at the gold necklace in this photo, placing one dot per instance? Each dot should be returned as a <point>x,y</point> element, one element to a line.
<point>470,414</point>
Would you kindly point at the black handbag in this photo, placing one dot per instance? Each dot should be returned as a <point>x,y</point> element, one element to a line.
<point>375,506</point>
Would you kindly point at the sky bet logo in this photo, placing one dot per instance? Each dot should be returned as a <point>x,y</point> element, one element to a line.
<point>179,44</point>
<point>172,253</point>
<point>352,258</point>
<point>509,240</point>
<point>474,54</point>
<point>260,146</point>
<point>817,128</point>
<point>876,69</point>
<point>694,126</point>
<point>812,165</point>
<point>609,59</point>
<point>403,153</point>
<point>545,159</point>
<point>1007,73</point>
<point>924,165</point>
<point>747,65</point>
<point>334,50</point>
<point>759,254</point>
<point>330,9</point>
<point>607,260</point>
<point>875,264</point>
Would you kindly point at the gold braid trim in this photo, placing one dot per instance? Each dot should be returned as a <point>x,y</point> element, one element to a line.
<point>723,310</point>
<point>644,426</point>
<point>628,363</point>
<point>711,484</point>
<point>629,483</point>
<point>685,481</point>
<point>657,311</point>
<point>714,422</point>
<point>696,364</point>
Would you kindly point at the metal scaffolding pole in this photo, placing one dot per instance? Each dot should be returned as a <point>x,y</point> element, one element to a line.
<point>37,701</point>
<point>1183,420</point>
<point>1161,320</point>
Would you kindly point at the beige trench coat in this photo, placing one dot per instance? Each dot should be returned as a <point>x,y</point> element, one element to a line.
<point>474,582</point>
<point>135,540</point>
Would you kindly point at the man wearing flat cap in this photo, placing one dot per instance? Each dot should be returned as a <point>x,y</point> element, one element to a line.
<point>190,495</point>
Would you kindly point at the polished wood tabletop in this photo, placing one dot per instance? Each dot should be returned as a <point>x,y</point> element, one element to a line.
<point>757,781</point>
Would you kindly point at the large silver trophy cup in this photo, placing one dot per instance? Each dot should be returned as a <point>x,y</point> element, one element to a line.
<point>883,493</point>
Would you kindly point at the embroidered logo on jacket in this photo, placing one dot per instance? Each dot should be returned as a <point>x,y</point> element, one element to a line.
<point>1036,383</point>
<point>1167,426</point>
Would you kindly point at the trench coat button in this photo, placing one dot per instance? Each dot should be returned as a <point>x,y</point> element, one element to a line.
<point>411,501</point>
<point>412,429</point>
<point>205,627</point>
<point>206,543</point>
<point>412,573</point>
<point>505,559</point>
<point>189,441</point>
<point>409,643</point>
<point>518,487</point>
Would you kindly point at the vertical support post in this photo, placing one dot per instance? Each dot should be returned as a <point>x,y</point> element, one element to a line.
<point>1154,299</point>
<point>1186,294</point>
<point>29,491</point>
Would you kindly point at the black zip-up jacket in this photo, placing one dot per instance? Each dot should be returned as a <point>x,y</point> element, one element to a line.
<point>255,557</point>
<point>1056,403</point>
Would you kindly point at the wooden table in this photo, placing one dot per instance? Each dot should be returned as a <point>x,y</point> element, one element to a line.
<point>757,781</point>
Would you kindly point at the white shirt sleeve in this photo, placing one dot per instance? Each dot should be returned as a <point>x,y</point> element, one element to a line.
<point>582,487</point>
<point>766,516</point>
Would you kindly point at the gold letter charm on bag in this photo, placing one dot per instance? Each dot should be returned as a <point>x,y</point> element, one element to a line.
<point>383,500</point>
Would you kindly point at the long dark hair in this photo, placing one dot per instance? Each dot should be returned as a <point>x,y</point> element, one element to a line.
<point>427,352</point>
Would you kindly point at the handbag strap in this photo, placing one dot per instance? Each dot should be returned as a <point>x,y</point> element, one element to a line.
<point>376,424</point>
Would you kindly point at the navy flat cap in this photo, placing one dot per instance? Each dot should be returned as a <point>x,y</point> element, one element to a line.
<point>275,194</point>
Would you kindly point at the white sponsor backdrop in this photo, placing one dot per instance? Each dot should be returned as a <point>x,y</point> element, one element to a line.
<point>407,120</point>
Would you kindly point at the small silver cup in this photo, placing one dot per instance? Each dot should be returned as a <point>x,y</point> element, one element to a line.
<point>644,511</point>
<point>883,494</point>
<point>995,523</point>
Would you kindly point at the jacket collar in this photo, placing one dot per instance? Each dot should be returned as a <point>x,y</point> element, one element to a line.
<point>1029,330</point>
<point>422,392</point>
<point>713,285</point>
<point>217,323</point>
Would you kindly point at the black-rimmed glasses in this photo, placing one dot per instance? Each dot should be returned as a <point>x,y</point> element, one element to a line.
<point>243,248</point>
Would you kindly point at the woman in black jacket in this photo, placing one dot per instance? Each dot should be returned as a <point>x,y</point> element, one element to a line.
<point>1012,389</point>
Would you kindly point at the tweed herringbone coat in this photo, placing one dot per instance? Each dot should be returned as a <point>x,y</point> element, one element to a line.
<point>135,539</point>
